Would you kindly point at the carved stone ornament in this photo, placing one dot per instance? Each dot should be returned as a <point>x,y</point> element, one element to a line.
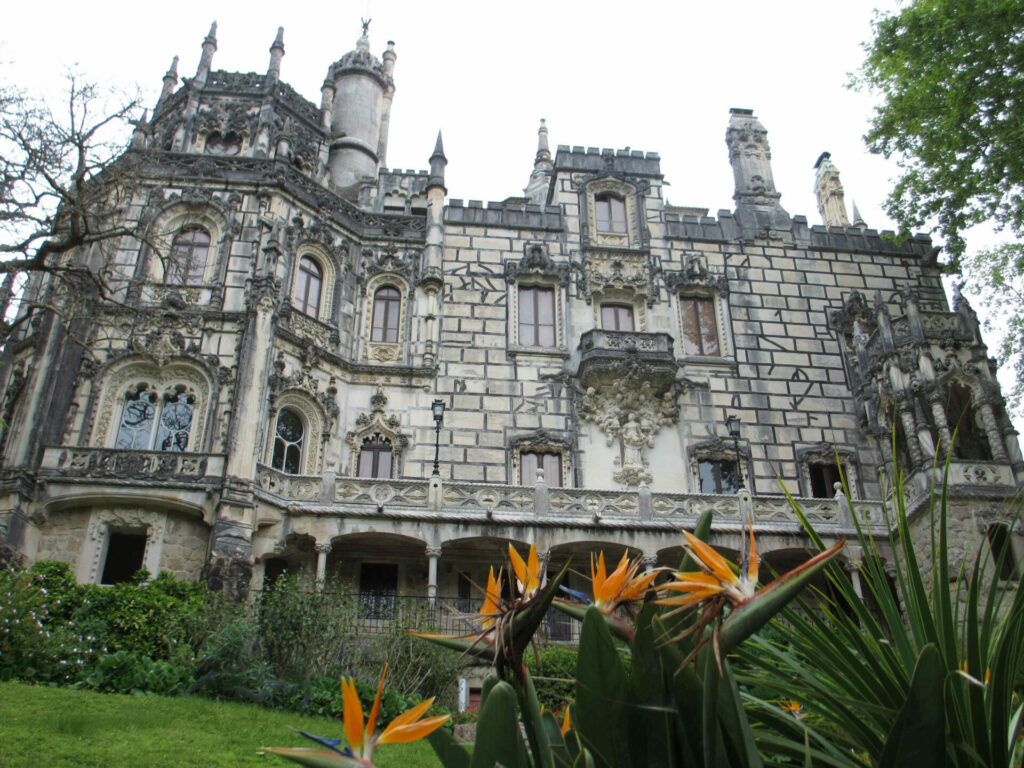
<point>633,415</point>
<point>306,327</point>
<point>536,262</point>
<point>162,335</point>
<point>390,261</point>
<point>617,271</point>
<point>695,274</point>
<point>226,117</point>
<point>377,423</point>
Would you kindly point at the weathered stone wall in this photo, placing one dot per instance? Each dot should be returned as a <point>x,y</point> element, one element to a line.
<point>185,547</point>
<point>62,538</point>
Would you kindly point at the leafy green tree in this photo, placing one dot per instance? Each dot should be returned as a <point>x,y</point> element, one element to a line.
<point>951,77</point>
<point>950,74</point>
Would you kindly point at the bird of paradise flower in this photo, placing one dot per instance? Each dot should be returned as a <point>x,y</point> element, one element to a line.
<point>361,738</point>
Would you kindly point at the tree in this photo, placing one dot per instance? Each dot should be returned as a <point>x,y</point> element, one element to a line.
<point>951,77</point>
<point>65,184</point>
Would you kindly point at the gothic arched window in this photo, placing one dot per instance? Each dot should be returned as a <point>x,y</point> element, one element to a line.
<point>307,287</point>
<point>186,262</point>
<point>387,306</point>
<point>143,409</point>
<point>288,442</point>
<point>375,458</point>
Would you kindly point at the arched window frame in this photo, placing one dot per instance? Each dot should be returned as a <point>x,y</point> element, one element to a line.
<point>328,280</point>
<point>313,419</point>
<point>307,296</point>
<point>159,435</point>
<point>372,449</point>
<point>285,446</point>
<point>385,351</point>
<point>178,215</point>
<point>535,270</point>
<point>176,376</point>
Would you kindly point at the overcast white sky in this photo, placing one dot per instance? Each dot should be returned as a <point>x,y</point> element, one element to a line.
<point>647,75</point>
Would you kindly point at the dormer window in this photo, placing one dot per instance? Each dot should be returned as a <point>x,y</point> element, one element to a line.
<point>611,213</point>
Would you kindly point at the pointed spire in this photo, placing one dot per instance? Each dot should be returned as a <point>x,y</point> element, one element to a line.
<point>438,162</point>
<point>170,80</point>
<point>206,59</point>
<point>828,189</point>
<point>537,188</point>
<point>858,220</point>
<point>276,54</point>
<point>758,208</point>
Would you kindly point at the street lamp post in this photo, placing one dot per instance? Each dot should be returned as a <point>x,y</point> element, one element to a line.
<point>437,408</point>
<point>732,423</point>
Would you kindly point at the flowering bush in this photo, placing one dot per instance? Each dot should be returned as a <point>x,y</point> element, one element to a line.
<point>37,642</point>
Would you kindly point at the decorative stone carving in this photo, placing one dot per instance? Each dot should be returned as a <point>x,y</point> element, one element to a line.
<point>131,465</point>
<point>615,271</point>
<point>632,414</point>
<point>536,262</point>
<point>695,274</point>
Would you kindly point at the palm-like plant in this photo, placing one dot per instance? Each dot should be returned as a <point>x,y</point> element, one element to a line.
<point>931,676</point>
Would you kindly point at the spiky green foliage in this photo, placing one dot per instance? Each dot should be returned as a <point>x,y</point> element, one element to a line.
<point>925,670</point>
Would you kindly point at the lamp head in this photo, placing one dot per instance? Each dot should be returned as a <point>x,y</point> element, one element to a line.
<point>733,425</point>
<point>437,408</point>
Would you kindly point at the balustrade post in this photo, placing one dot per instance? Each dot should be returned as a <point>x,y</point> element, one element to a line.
<point>643,497</point>
<point>852,568</point>
<point>433,553</point>
<point>541,504</point>
<point>323,548</point>
<point>435,489</point>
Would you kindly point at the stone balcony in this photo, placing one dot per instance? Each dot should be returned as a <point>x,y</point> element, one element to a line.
<point>610,354</point>
<point>71,462</point>
<point>491,504</point>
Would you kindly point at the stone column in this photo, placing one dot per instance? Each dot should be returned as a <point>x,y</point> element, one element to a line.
<point>545,559</point>
<point>649,561</point>
<point>433,553</point>
<point>939,414</point>
<point>910,432</point>
<point>852,568</point>
<point>995,439</point>
<point>323,549</point>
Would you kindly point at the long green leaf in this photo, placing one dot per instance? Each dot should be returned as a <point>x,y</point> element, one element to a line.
<point>448,751</point>
<point>918,736</point>
<point>497,732</point>
<point>315,758</point>
<point>600,689</point>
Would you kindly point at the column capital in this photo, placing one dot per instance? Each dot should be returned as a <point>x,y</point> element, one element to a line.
<point>323,547</point>
<point>433,551</point>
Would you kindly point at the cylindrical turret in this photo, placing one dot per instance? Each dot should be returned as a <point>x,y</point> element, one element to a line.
<point>362,86</point>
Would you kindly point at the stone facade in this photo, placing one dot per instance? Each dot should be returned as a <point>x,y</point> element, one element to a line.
<point>259,396</point>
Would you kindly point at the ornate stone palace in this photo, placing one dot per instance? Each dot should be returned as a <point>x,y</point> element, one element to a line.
<point>257,391</point>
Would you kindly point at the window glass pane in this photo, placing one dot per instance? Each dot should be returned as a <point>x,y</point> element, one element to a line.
<point>288,442</point>
<point>553,469</point>
<point>708,329</point>
<point>175,422</point>
<point>618,215</point>
<point>727,473</point>
<point>604,214</point>
<point>365,463</point>
<point>375,458</point>
<point>528,469</point>
<point>383,464</point>
<point>617,317</point>
<point>136,422</point>
<point>708,483</point>
<point>307,287</point>
<point>536,316</point>
<point>186,262</point>
<point>387,304</point>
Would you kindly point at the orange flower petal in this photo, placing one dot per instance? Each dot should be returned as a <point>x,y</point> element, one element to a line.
<point>532,571</point>
<point>352,713</point>
<point>415,713</point>
<point>752,565</point>
<point>566,721</point>
<point>518,566</point>
<point>710,559</point>
<point>371,723</point>
<point>403,734</point>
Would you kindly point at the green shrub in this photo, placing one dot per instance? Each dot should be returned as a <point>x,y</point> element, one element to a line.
<point>127,672</point>
<point>554,673</point>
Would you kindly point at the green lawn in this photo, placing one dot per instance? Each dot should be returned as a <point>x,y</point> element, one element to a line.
<point>65,727</point>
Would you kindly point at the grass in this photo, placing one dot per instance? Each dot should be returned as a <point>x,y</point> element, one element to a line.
<point>65,727</point>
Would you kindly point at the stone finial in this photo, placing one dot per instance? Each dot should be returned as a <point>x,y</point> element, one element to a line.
<point>858,220</point>
<point>537,188</point>
<point>170,81</point>
<point>276,54</point>
<point>829,192</point>
<point>206,59</point>
<point>438,162</point>
<point>758,210</point>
